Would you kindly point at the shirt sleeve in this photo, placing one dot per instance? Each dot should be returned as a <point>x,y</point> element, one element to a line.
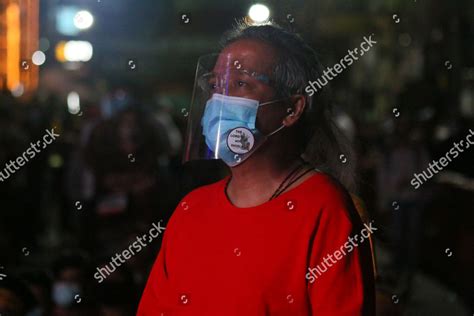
<point>340,274</point>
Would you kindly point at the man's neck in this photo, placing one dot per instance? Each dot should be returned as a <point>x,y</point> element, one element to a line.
<point>254,181</point>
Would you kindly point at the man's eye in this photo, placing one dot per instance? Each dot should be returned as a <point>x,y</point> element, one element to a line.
<point>212,85</point>
<point>241,83</point>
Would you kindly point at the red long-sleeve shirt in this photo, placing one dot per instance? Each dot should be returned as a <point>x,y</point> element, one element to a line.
<point>220,260</point>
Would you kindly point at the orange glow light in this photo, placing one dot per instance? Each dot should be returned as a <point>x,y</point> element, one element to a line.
<point>13,45</point>
<point>59,51</point>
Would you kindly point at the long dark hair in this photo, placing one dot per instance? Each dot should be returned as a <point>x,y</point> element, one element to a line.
<point>321,142</point>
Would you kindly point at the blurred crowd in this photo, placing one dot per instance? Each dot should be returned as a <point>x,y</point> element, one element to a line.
<point>116,168</point>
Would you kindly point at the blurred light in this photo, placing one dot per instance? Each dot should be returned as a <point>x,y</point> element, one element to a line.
<point>345,123</point>
<point>442,133</point>
<point>259,13</point>
<point>65,20</point>
<point>38,58</point>
<point>468,74</point>
<point>83,20</point>
<point>73,102</point>
<point>404,39</point>
<point>426,113</point>
<point>13,46</point>
<point>18,90</point>
<point>72,65</point>
<point>43,44</point>
<point>59,51</point>
<point>55,161</point>
<point>77,51</point>
<point>467,102</point>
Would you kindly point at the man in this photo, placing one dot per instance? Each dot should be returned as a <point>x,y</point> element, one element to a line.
<point>244,245</point>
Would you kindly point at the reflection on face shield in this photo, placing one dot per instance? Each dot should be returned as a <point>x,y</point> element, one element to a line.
<point>233,82</point>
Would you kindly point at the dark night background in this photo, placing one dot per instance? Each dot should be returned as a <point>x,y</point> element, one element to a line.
<point>116,168</point>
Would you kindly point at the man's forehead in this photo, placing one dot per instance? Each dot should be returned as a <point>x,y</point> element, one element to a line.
<point>244,58</point>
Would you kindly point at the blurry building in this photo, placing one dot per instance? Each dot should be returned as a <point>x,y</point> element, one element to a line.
<point>19,27</point>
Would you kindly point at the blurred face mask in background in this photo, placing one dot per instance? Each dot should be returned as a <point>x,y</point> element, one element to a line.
<point>64,292</point>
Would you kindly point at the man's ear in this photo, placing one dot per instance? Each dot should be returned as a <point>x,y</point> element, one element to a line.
<point>295,109</point>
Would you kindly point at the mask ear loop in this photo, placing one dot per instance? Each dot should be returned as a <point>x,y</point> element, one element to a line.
<point>290,110</point>
<point>277,130</point>
<point>273,101</point>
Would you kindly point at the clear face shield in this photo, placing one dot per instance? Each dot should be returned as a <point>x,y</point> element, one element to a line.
<point>222,117</point>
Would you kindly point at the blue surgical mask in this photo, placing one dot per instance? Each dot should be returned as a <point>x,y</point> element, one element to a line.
<point>229,127</point>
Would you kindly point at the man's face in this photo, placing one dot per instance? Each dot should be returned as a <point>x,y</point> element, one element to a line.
<point>242,70</point>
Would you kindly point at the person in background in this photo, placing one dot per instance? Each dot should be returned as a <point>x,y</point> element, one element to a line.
<point>407,156</point>
<point>15,297</point>
<point>40,284</point>
<point>70,286</point>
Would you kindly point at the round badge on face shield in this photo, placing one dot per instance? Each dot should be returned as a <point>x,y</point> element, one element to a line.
<point>240,140</point>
